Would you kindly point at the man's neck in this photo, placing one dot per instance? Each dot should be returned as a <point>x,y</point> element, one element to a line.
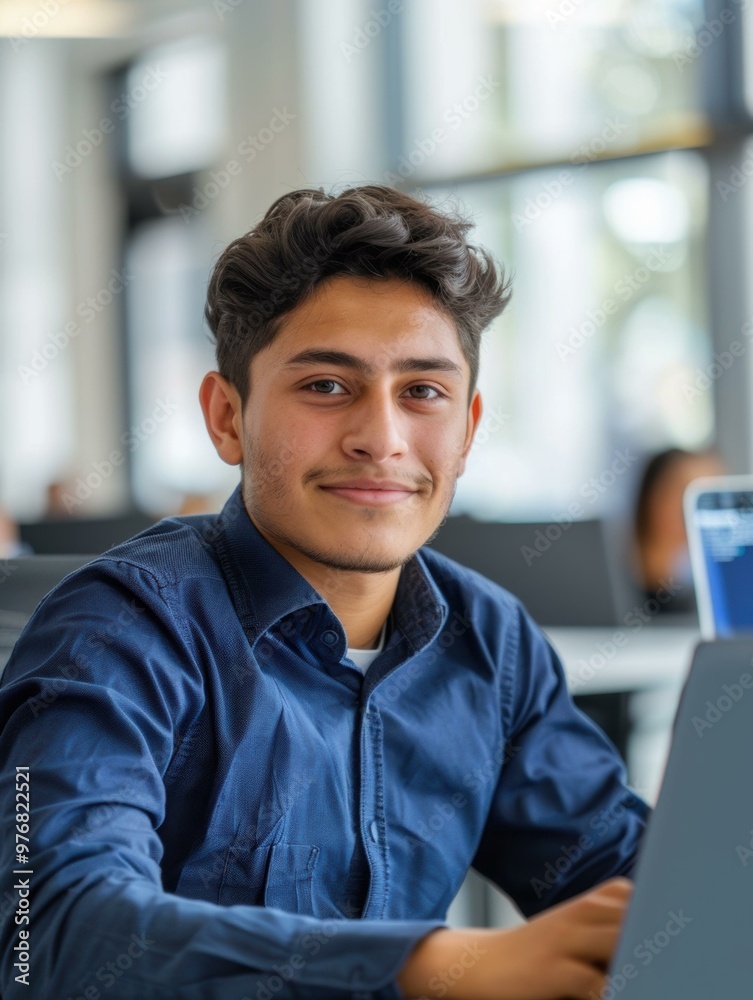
<point>361,601</point>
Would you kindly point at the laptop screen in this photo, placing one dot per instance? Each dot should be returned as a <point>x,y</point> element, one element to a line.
<point>724,522</point>
<point>689,927</point>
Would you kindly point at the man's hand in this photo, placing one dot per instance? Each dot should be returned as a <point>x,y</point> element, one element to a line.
<point>561,954</point>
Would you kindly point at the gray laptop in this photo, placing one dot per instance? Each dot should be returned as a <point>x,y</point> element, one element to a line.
<point>688,934</point>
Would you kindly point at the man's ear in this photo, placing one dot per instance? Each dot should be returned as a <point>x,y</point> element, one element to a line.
<point>223,416</point>
<point>474,415</point>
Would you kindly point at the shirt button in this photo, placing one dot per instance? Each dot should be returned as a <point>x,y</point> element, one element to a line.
<point>374,831</point>
<point>357,975</point>
<point>329,637</point>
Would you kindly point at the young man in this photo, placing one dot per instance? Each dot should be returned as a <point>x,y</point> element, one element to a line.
<point>265,746</point>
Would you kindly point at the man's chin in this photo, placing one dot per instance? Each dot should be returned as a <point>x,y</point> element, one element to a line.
<point>359,562</point>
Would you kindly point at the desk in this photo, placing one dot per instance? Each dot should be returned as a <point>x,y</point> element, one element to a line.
<point>629,682</point>
<point>601,660</point>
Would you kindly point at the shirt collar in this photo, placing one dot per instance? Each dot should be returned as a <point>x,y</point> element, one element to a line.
<point>266,587</point>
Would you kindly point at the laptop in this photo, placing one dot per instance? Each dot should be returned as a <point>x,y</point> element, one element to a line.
<point>688,933</point>
<point>719,523</point>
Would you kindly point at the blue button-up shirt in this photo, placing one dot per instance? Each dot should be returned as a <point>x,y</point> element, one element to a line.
<point>223,807</point>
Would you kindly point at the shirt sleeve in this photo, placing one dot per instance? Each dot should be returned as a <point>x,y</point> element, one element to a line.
<point>562,817</point>
<point>95,700</point>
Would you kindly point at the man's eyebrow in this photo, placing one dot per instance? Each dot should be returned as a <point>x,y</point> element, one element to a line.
<point>400,366</point>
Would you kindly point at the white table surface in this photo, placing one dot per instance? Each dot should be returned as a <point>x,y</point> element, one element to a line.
<point>623,659</point>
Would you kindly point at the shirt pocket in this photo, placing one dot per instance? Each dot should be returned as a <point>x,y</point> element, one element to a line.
<point>290,877</point>
<point>243,878</point>
<point>280,876</point>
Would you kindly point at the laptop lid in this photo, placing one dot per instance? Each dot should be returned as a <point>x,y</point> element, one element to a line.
<point>719,523</point>
<point>689,929</point>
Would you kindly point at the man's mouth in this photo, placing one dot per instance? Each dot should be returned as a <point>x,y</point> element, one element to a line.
<point>381,495</point>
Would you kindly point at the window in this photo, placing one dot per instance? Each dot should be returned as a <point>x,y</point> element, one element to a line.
<point>175,130</point>
<point>576,135</point>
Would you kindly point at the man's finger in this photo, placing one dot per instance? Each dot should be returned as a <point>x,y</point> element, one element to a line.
<point>593,943</point>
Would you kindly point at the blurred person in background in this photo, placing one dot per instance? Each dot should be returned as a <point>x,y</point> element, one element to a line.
<point>661,557</point>
<point>10,539</point>
<point>196,503</point>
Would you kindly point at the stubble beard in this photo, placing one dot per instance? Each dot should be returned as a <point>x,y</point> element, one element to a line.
<point>272,496</point>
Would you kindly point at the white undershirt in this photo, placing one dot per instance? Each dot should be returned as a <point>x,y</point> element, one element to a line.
<point>363,657</point>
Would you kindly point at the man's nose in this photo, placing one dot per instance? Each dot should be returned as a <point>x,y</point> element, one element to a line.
<point>377,427</point>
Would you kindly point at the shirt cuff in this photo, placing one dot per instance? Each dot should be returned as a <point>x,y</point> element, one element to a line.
<point>376,954</point>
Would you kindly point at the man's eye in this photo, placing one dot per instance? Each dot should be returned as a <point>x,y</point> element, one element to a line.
<point>429,387</point>
<point>323,381</point>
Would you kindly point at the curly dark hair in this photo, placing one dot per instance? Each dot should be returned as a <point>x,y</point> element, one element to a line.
<point>308,236</point>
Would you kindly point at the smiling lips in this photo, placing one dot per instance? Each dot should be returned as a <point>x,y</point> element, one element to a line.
<point>375,492</point>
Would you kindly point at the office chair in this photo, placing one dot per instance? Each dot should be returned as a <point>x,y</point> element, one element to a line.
<point>23,584</point>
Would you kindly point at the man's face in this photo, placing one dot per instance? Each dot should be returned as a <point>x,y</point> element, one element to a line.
<point>317,423</point>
